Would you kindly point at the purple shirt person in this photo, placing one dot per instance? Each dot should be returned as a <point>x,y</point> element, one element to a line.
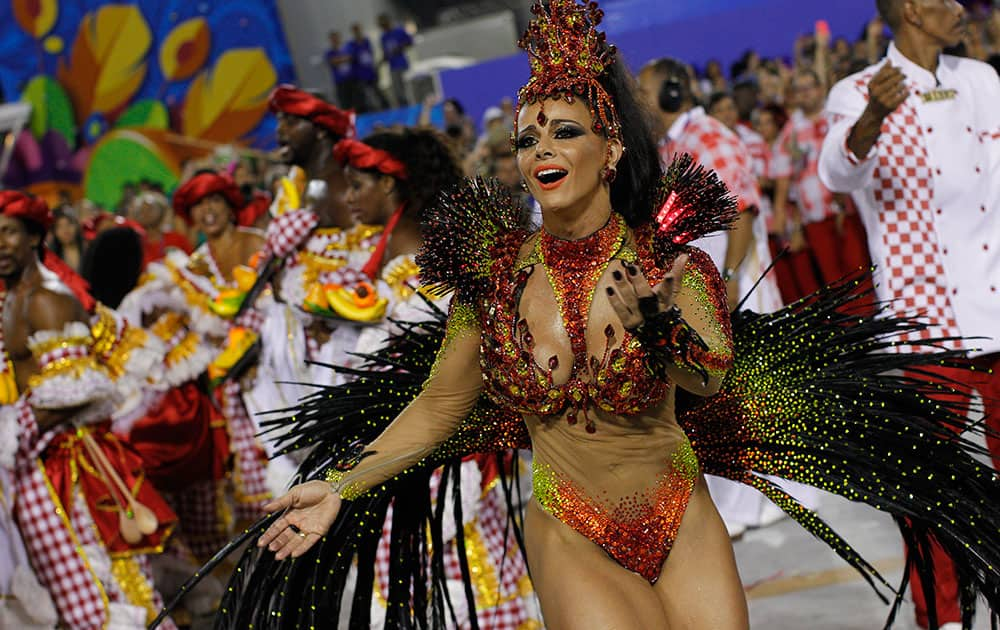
<point>363,72</point>
<point>362,59</point>
<point>395,41</point>
<point>338,58</point>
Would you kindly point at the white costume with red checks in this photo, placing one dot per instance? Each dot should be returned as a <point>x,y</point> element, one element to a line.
<point>761,156</point>
<point>93,582</point>
<point>796,156</point>
<point>715,146</point>
<point>756,147</point>
<point>24,603</point>
<point>929,193</point>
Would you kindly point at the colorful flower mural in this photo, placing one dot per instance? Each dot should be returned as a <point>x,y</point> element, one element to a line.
<point>128,92</point>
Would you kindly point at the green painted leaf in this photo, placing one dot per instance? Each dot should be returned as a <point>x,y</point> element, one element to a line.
<point>147,113</point>
<point>51,108</point>
<point>118,160</point>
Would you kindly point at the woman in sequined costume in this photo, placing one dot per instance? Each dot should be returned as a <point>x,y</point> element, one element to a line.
<point>554,338</point>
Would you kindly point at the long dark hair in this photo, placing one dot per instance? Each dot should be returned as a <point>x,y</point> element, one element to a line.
<point>56,245</point>
<point>112,265</point>
<point>430,164</point>
<point>634,190</point>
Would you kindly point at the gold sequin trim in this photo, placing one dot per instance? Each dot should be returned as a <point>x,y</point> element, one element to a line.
<point>104,330</point>
<point>319,264</point>
<point>347,492</point>
<point>134,585</point>
<point>462,322</point>
<point>42,348</point>
<point>400,276</point>
<point>168,325</point>
<point>117,360</point>
<point>75,367</point>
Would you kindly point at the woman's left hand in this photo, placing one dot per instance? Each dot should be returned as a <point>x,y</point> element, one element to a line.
<point>311,509</point>
<point>634,300</point>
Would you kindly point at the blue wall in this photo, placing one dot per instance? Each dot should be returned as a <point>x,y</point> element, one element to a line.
<point>693,30</point>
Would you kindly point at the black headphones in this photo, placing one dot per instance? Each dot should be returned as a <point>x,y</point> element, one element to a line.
<point>671,95</point>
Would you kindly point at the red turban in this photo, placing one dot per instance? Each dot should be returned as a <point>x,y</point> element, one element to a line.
<point>257,207</point>
<point>29,208</point>
<point>364,158</point>
<point>202,185</point>
<point>291,100</point>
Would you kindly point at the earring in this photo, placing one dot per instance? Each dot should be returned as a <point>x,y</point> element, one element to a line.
<point>524,185</point>
<point>609,174</point>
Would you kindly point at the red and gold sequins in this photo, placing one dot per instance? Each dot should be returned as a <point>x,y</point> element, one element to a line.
<point>617,381</point>
<point>637,531</point>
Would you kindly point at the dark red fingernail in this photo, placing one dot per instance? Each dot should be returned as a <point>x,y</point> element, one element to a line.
<point>611,291</point>
<point>632,270</point>
<point>617,274</point>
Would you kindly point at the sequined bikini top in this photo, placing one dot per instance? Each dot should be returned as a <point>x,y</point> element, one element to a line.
<point>618,381</point>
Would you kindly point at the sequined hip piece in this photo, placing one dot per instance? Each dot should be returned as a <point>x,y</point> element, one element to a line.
<point>639,530</point>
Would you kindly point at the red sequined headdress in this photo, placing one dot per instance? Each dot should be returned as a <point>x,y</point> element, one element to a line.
<point>568,57</point>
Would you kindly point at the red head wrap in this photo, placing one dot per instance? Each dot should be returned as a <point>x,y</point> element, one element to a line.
<point>291,100</point>
<point>29,208</point>
<point>202,185</point>
<point>364,157</point>
<point>257,207</point>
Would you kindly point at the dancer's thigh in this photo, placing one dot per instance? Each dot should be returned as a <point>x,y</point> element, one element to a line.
<point>579,586</point>
<point>700,586</point>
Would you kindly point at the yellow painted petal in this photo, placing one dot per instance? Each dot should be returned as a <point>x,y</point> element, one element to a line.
<point>107,64</point>
<point>185,49</point>
<point>36,17</point>
<point>228,101</point>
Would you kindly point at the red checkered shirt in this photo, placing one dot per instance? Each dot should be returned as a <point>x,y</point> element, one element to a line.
<point>929,193</point>
<point>757,147</point>
<point>714,146</point>
<point>797,157</point>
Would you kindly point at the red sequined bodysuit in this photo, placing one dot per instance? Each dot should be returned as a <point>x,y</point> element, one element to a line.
<point>629,493</point>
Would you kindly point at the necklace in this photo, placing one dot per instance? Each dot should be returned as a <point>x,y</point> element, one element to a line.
<point>573,269</point>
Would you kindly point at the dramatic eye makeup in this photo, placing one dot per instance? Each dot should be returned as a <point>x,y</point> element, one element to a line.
<point>564,130</point>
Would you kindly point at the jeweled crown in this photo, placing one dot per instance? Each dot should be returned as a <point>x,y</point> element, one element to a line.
<point>568,57</point>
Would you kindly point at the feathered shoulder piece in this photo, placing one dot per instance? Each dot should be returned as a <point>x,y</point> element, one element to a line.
<point>692,203</point>
<point>465,233</point>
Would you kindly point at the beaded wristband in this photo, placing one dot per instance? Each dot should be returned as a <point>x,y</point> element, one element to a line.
<point>336,474</point>
<point>668,339</point>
